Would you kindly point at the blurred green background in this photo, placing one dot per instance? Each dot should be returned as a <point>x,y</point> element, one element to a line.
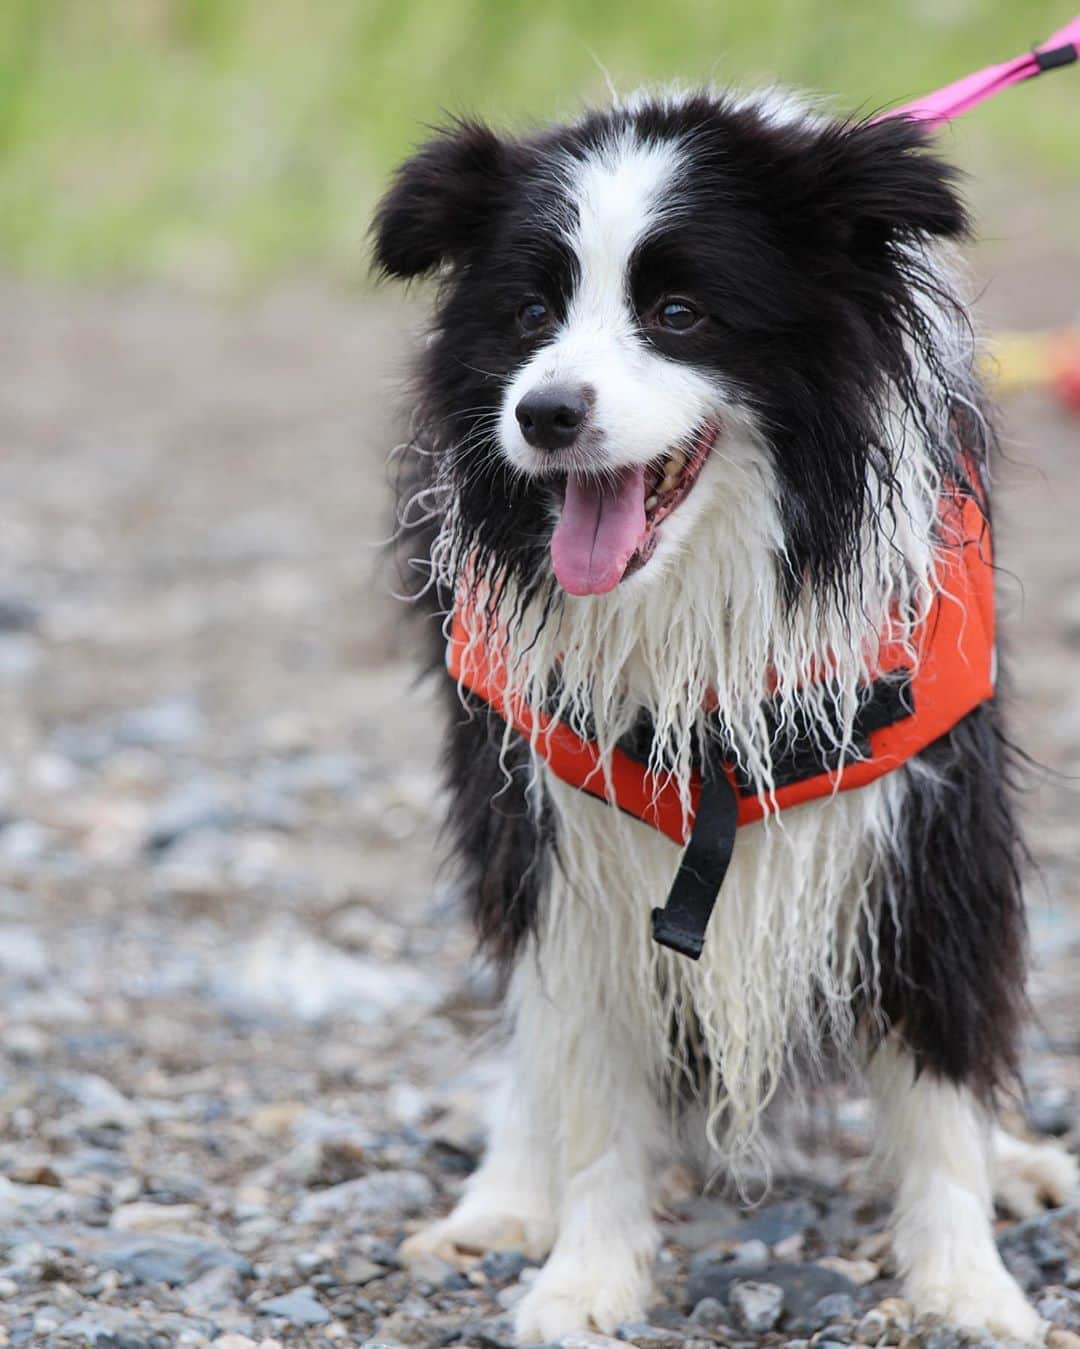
<point>225,143</point>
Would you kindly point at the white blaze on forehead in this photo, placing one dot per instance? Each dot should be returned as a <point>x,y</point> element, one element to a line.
<point>618,194</point>
<point>643,402</point>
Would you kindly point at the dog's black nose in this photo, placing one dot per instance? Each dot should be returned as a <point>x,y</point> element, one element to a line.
<point>551,416</point>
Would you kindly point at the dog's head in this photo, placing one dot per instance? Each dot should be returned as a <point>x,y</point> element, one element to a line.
<point>622,295</point>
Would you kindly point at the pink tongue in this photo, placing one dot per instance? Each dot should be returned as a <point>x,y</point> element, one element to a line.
<point>601,525</point>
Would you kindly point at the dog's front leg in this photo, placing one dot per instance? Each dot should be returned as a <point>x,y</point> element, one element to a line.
<point>594,1058</point>
<point>936,1139</point>
<point>510,1201</point>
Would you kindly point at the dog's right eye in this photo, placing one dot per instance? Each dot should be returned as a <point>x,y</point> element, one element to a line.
<point>533,316</point>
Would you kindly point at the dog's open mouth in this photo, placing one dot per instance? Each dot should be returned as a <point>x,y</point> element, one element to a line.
<point>608,525</point>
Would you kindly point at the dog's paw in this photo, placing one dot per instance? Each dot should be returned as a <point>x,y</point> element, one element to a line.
<point>569,1296</point>
<point>1030,1177</point>
<point>470,1232</point>
<point>988,1301</point>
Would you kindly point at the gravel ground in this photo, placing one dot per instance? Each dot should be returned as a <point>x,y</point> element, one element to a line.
<point>237,1007</point>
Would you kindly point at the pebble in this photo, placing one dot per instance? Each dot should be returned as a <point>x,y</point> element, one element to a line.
<point>172,722</point>
<point>803,1285</point>
<point>384,1194</point>
<point>197,806</point>
<point>503,1266</point>
<point>286,972</point>
<point>428,1268</point>
<point>18,613</point>
<point>832,1307</point>
<point>752,1254</point>
<point>774,1222</point>
<point>1062,1339</point>
<point>1061,1306</point>
<point>710,1313</point>
<point>860,1272</point>
<point>22,953</point>
<point>648,1336</point>
<point>143,1216</point>
<point>213,1291</point>
<point>755,1307</point>
<point>169,1259</point>
<point>300,1307</point>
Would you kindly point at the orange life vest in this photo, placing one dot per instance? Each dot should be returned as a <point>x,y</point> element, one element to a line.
<point>908,705</point>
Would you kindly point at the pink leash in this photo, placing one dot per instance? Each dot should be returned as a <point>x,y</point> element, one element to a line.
<point>944,104</point>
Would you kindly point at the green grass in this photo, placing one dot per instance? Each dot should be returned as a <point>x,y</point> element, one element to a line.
<point>225,142</point>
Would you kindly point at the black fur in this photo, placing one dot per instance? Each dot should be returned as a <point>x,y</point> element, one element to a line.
<point>953,976</point>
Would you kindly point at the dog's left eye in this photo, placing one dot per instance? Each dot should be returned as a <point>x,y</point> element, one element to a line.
<point>678,316</point>
<point>532,316</point>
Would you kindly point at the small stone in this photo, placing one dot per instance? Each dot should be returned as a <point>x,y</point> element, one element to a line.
<point>1062,1339</point>
<point>101,1103</point>
<point>198,806</point>
<point>648,1336</point>
<point>427,1267</point>
<point>503,1266</point>
<point>774,1222</point>
<point>494,1332</point>
<point>22,952</point>
<point>938,1337</point>
<point>585,1339</point>
<point>171,1259</point>
<point>300,1308</point>
<point>835,1333</point>
<point>860,1272</point>
<point>803,1285</point>
<point>790,1248</point>
<point>358,1270</point>
<point>1061,1306</point>
<point>173,722</point>
<point>874,1247</point>
<point>872,1326</point>
<point>833,1307</point>
<point>896,1312</point>
<point>17,613</point>
<point>213,1291</point>
<point>234,1342</point>
<point>754,1254</point>
<point>755,1307</point>
<point>1053,1111</point>
<point>710,1313</point>
<point>144,1216</point>
<point>383,1194</point>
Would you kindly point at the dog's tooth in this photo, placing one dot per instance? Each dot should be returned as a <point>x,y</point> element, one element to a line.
<point>669,482</point>
<point>651,502</point>
<point>675,464</point>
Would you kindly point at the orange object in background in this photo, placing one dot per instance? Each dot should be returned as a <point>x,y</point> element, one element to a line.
<point>1049,360</point>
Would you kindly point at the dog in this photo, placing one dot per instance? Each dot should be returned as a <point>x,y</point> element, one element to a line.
<point>697,403</point>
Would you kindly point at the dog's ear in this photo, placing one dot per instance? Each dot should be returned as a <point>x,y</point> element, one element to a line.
<point>442,202</point>
<point>879,184</point>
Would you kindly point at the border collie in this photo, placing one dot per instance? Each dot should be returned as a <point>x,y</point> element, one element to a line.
<point>697,381</point>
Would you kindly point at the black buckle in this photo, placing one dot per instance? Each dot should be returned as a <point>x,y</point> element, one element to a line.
<point>1056,56</point>
<point>681,923</point>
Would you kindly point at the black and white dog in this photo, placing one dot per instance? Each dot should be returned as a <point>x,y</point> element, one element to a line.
<point>697,380</point>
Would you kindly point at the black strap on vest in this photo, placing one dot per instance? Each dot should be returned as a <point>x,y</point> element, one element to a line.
<point>681,923</point>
